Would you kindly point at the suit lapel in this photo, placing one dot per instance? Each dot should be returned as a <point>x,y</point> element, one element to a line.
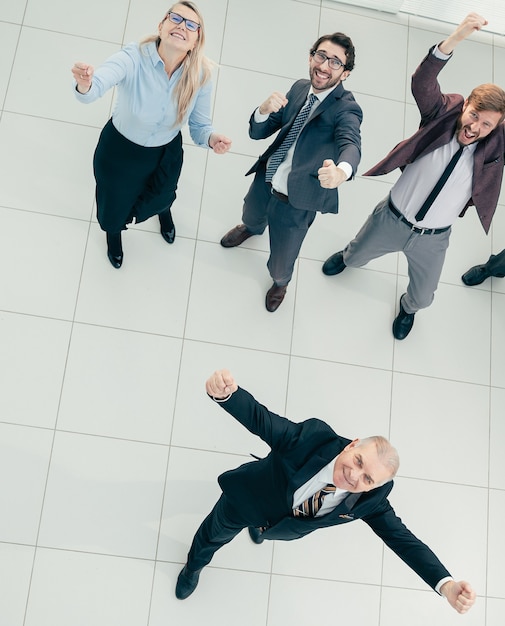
<point>297,105</point>
<point>316,462</point>
<point>328,102</point>
<point>305,473</point>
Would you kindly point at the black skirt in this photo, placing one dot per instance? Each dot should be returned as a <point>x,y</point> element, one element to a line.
<point>133,181</point>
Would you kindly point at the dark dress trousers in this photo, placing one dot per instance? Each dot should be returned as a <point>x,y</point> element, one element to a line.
<point>260,493</point>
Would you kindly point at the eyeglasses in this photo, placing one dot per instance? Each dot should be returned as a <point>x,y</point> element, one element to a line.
<point>178,19</point>
<point>333,62</point>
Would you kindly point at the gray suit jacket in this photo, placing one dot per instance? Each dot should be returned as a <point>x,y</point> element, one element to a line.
<point>332,132</point>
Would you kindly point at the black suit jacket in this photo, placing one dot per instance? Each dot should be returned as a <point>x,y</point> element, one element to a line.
<point>332,132</point>
<point>263,490</point>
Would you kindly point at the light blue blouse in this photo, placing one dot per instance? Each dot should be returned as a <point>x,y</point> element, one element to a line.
<point>145,111</point>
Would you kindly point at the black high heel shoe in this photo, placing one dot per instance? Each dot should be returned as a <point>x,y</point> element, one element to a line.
<point>114,249</point>
<point>167,228</point>
<point>168,235</point>
<point>116,260</point>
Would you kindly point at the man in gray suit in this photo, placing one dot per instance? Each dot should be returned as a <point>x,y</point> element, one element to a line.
<point>318,147</point>
<point>454,160</point>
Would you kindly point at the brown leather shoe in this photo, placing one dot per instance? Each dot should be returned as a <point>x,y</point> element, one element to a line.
<point>236,236</point>
<point>275,296</point>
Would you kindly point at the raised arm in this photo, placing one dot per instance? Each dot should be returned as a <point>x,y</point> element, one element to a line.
<point>279,108</point>
<point>425,86</point>
<point>273,108</point>
<point>92,83</point>
<point>221,385</point>
<point>275,430</point>
<point>472,23</point>
<point>83,75</point>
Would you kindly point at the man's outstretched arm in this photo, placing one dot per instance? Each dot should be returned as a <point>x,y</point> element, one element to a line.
<point>472,23</point>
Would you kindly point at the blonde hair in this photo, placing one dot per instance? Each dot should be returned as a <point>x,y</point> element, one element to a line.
<point>196,68</point>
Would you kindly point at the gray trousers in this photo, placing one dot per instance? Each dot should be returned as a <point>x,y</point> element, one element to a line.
<point>384,232</point>
<point>287,227</point>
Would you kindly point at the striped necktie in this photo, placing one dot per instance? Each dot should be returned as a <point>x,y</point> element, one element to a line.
<point>311,506</point>
<point>278,156</point>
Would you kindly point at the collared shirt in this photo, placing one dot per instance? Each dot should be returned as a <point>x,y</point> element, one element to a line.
<point>418,179</point>
<point>319,481</point>
<point>280,178</point>
<point>145,109</point>
<point>332,500</point>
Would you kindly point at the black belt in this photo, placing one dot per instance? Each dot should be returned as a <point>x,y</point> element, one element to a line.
<point>415,229</point>
<point>280,196</point>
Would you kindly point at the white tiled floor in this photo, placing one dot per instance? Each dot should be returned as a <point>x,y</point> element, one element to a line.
<point>104,419</point>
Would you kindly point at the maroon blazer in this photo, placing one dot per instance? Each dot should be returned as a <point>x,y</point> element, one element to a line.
<point>439,114</point>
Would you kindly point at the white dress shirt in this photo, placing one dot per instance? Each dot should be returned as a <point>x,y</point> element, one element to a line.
<point>317,482</point>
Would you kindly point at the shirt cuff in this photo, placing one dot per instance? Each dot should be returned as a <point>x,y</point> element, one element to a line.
<point>440,55</point>
<point>207,143</point>
<point>220,400</point>
<point>260,117</point>
<point>441,583</point>
<point>347,167</point>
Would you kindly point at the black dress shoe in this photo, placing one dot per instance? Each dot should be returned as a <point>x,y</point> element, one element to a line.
<point>403,323</point>
<point>168,235</point>
<point>476,275</point>
<point>187,582</point>
<point>335,264</point>
<point>236,236</point>
<point>275,295</point>
<point>116,260</point>
<point>256,534</point>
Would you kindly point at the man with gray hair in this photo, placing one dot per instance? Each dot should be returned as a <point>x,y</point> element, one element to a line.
<point>312,478</point>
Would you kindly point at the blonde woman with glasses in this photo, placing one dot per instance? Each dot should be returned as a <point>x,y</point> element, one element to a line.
<point>162,83</point>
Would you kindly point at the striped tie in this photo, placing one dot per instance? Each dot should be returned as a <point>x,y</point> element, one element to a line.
<point>311,506</point>
<point>278,156</point>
